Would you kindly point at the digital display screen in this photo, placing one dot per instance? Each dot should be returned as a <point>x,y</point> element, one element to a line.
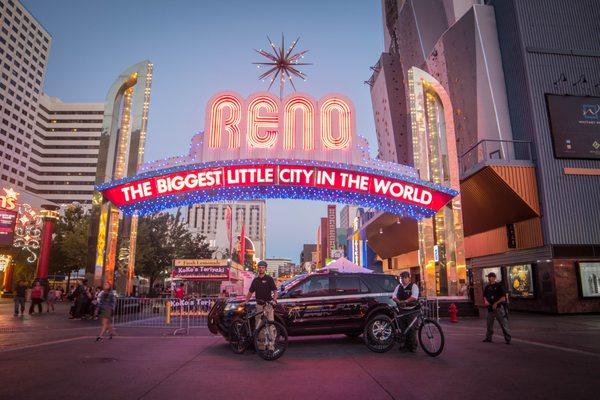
<point>589,279</point>
<point>7,227</point>
<point>575,126</point>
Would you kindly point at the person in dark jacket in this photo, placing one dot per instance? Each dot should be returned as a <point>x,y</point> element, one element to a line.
<point>494,297</point>
<point>82,299</point>
<point>107,302</point>
<point>21,294</point>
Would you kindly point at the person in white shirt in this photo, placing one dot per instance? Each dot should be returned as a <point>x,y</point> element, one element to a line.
<point>406,294</point>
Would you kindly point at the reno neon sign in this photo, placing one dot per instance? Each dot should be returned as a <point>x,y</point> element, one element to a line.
<point>262,147</point>
<point>298,124</point>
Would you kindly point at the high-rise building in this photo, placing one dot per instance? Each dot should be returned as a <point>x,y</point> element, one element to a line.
<point>210,220</point>
<point>64,152</point>
<point>331,229</point>
<point>322,242</point>
<point>24,49</point>
<point>306,253</point>
<point>497,100</point>
<point>347,214</point>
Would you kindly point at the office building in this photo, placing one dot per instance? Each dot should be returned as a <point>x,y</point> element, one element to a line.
<point>280,267</point>
<point>211,221</point>
<point>347,214</point>
<point>306,253</point>
<point>322,242</point>
<point>64,153</point>
<point>24,49</point>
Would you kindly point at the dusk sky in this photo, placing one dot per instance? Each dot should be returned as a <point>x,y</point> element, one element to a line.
<point>199,48</point>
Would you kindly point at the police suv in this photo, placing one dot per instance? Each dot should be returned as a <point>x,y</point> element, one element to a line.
<point>319,304</point>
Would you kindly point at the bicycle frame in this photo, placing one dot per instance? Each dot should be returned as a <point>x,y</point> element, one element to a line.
<point>249,318</point>
<point>418,316</point>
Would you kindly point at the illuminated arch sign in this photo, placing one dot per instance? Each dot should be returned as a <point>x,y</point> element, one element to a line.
<point>263,147</point>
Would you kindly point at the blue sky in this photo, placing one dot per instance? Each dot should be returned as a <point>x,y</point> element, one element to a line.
<point>202,47</point>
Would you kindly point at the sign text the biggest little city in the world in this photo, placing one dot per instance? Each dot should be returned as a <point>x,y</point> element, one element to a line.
<point>270,175</point>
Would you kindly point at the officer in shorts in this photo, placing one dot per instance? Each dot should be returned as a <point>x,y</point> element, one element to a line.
<point>265,291</point>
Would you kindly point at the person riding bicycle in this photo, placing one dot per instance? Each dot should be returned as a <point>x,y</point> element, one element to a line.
<point>265,290</point>
<point>406,295</point>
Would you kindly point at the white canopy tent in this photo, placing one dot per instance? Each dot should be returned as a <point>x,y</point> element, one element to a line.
<point>344,265</point>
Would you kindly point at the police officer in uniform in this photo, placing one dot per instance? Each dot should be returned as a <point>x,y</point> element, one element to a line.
<point>406,294</point>
<point>494,297</point>
<point>265,290</point>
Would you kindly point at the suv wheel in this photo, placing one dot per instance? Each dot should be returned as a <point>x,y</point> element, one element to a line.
<point>379,334</point>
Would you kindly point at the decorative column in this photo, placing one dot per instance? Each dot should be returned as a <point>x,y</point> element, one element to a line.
<point>49,215</point>
<point>441,238</point>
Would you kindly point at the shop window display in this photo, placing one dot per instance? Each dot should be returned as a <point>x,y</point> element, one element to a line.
<point>589,279</point>
<point>520,281</point>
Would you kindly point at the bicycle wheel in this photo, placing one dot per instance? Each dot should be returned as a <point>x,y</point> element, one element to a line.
<point>379,334</point>
<point>271,341</point>
<point>239,337</point>
<point>431,337</point>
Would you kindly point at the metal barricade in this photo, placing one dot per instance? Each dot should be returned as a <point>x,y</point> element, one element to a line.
<point>178,314</point>
<point>432,309</point>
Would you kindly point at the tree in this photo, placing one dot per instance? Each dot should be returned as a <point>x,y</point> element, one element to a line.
<point>162,238</point>
<point>70,241</point>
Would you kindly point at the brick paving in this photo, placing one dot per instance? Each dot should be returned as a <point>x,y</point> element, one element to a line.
<point>48,355</point>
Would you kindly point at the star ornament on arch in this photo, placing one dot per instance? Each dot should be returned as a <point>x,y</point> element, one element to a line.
<point>282,64</point>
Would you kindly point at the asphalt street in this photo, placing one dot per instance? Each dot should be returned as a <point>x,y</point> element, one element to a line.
<point>48,356</point>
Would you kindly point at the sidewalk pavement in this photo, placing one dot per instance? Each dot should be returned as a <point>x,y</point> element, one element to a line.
<point>551,357</point>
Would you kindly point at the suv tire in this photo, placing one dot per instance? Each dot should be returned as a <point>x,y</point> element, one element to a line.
<point>379,334</point>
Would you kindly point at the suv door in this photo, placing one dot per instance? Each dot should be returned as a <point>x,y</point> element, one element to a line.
<point>351,300</point>
<point>308,305</point>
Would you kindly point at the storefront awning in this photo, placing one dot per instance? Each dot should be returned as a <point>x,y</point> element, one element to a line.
<point>498,195</point>
<point>390,235</point>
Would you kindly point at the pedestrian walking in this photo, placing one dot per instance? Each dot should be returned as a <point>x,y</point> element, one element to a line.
<point>37,297</point>
<point>51,299</point>
<point>494,297</point>
<point>107,302</point>
<point>20,296</point>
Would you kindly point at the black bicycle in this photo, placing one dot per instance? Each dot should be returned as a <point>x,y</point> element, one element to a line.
<point>382,331</point>
<point>270,338</point>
